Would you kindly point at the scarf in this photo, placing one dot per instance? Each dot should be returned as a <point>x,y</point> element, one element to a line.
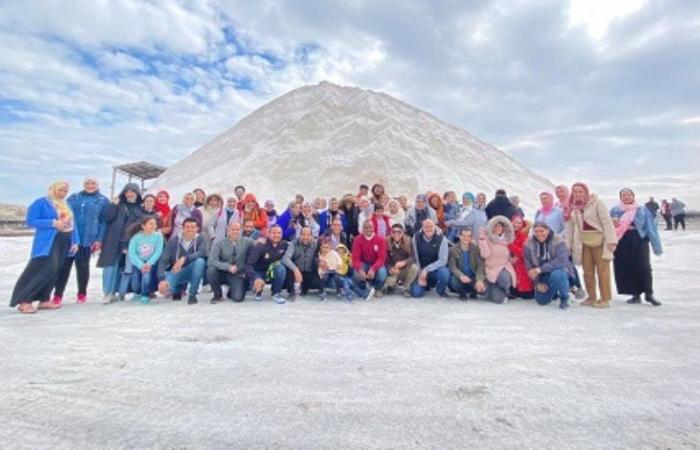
<point>628,213</point>
<point>62,209</point>
<point>573,205</point>
<point>163,208</point>
<point>545,210</point>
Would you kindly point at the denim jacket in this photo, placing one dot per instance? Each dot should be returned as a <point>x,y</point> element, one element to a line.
<point>645,224</point>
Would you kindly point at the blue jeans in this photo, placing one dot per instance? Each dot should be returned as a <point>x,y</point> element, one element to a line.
<point>557,283</point>
<point>126,278</point>
<point>279,274</point>
<point>438,278</point>
<point>461,288</point>
<point>110,278</point>
<point>191,274</point>
<point>378,282</point>
<point>498,292</point>
<point>144,283</point>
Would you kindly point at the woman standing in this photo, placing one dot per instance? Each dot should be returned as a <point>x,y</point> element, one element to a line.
<point>469,216</point>
<point>214,218</point>
<point>550,214</point>
<point>185,210</point>
<point>87,206</point>
<point>163,207</point>
<point>635,228</point>
<point>435,202</point>
<point>523,287</point>
<point>666,213</point>
<point>56,236</point>
<point>590,235</point>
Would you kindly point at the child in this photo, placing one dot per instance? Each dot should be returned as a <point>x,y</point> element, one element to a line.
<point>145,248</point>
<point>329,262</point>
<point>348,287</point>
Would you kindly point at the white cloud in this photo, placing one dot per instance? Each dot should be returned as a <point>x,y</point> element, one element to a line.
<point>120,61</point>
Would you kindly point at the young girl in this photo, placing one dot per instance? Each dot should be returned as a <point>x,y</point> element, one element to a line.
<point>329,264</point>
<point>145,248</point>
<point>344,272</point>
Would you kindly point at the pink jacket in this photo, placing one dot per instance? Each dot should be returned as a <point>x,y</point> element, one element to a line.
<point>495,251</point>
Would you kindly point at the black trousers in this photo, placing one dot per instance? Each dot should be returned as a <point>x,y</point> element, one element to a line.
<point>310,280</point>
<point>236,284</point>
<point>82,268</point>
<point>669,219</point>
<point>679,219</point>
<point>40,275</point>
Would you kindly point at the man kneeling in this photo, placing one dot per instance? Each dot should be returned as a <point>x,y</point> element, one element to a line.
<point>183,262</point>
<point>264,265</point>
<point>227,264</point>
<point>547,263</point>
<point>466,267</point>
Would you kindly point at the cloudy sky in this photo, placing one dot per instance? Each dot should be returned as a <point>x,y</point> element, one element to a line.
<point>605,91</point>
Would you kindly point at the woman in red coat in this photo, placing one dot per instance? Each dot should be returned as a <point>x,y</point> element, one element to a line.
<point>523,287</point>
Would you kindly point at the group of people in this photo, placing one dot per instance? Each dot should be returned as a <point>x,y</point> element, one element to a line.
<point>360,245</point>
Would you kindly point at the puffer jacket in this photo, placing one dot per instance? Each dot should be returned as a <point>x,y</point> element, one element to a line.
<point>494,250</point>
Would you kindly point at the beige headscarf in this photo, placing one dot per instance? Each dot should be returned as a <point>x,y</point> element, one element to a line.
<point>62,208</point>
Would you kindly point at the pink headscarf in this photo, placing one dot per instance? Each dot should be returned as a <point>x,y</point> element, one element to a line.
<point>628,213</point>
<point>572,205</point>
<point>545,210</point>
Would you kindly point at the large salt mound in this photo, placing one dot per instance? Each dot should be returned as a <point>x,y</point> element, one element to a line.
<point>326,139</point>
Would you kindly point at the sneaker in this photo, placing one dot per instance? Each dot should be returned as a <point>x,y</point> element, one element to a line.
<point>57,299</point>
<point>444,294</point>
<point>347,294</point>
<point>322,296</point>
<point>370,294</point>
<point>652,300</point>
<point>145,300</point>
<point>279,299</point>
<point>634,300</point>
<point>472,295</point>
<point>292,297</point>
<point>215,300</point>
<point>406,292</point>
<point>192,300</point>
<point>177,297</point>
<point>564,303</point>
<point>463,297</point>
<point>82,298</point>
<point>258,296</point>
<point>109,298</point>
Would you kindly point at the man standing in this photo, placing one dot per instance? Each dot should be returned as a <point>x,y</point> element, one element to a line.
<point>466,267</point>
<point>368,258</point>
<point>183,262</point>
<point>264,265</point>
<point>227,264</point>
<point>400,262</point>
<point>431,252</point>
<point>652,206</point>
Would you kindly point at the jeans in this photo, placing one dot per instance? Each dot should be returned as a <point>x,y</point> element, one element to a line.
<point>144,283</point>
<point>126,282</point>
<point>679,219</point>
<point>279,275</point>
<point>191,274</point>
<point>438,278</point>
<point>378,282</point>
<point>557,284</point>
<point>110,278</point>
<point>333,278</point>
<point>498,291</point>
<point>236,283</point>
<point>460,288</point>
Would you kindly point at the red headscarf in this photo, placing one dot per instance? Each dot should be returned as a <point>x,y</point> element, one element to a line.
<point>163,208</point>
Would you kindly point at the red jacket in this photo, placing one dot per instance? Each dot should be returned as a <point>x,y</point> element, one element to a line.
<point>387,224</point>
<point>372,252</point>
<point>517,248</point>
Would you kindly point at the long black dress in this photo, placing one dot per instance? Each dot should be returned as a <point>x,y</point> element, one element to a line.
<point>632,265</point>
<point>39,277</point>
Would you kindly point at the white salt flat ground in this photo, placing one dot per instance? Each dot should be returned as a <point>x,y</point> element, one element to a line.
<point>393,372</point>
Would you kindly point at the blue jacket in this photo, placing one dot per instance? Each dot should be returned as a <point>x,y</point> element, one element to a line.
<point>40,216</point>
<point>645,224</point>
<point>87,209</point>
<point>555,219</point>
<point>324,220</point>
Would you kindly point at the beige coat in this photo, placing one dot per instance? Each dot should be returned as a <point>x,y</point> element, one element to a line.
<point>596,215</point>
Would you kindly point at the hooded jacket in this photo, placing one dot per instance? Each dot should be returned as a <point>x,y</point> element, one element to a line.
<point>516,250</point>
<point>548,256</point>
<point>118,218</point>
<point>500,206</point>
<point>258,215</point>
<point>495,251</point>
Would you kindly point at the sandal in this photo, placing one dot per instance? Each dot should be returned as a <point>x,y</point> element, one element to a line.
<point>26,308</point>
<point>48,305</point>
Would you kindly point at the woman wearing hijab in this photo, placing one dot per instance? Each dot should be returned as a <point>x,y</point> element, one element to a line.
<point>550,214</point>
<point>469,216</point>
<point>435,202</point>
<point>183,211</point>
<point>562,193</point>
<point>523,287</point>
<point>163,208</point>
<point>396,213</point>
<point>271,213</point>
<point>213,218</point>
<point>635,228</point>
<point>87,206</point>
<point>590,235</point>
<point>56,237</point>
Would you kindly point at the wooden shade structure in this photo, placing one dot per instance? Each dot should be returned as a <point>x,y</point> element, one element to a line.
<point>141,170</point>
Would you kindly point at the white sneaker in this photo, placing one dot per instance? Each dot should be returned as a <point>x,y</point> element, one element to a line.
<point>107,299</point>
<point>370,295</point>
